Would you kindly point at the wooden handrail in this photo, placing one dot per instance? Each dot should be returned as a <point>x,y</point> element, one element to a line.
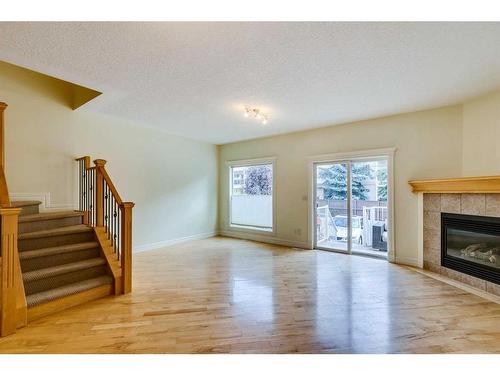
<point>112,187</point>
<point>108,214</point>
<point>13,310</point>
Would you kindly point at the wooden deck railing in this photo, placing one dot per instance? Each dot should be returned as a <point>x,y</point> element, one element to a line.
<point>109,214</point>
<point>13,311</point>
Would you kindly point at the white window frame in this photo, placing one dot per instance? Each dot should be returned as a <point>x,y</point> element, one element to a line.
<point>248,163</point>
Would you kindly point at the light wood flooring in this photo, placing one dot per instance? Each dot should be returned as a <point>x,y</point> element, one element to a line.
<point>224,295</point>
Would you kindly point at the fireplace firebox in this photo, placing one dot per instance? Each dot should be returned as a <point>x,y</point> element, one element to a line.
<point>471,244</point>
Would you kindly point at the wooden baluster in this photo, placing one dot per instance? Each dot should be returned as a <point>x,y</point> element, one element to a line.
<point>2,135</point>
<point>11,305</point>
<point>126,245</point>
<point>99,193</point>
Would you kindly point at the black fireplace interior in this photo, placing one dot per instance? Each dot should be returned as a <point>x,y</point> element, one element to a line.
<point>471,244</point>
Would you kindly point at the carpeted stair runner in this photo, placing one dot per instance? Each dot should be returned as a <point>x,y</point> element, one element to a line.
<point>57,276</point>
<point>67,290</point>
<point>59,255</point>
<point>36,222</point>
<point>54,256</point>
<point>55,237</point>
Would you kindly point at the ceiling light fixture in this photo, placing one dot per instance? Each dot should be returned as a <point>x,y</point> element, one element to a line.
<point>256,114</point>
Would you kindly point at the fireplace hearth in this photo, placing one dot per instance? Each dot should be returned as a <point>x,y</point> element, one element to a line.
<point>471,244</point>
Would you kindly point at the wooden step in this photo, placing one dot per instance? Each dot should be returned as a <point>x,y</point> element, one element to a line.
<point>27,207</point>
<point>49,220</point>
<point>55,237</point>
<point>57,276</point>
<point>49,302</point>
<point>54,256</point>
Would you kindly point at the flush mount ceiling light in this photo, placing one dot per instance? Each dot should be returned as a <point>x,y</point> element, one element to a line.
<point>256,114</point>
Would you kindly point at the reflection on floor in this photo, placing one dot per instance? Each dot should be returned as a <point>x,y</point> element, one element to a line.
<point>356,248</point>
<point>226,295</point>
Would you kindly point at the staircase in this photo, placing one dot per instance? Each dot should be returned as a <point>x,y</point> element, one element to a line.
<point>60,260</point>
<point>50,261</point>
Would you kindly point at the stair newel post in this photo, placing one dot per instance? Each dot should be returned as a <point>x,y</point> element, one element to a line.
<point>13,301</point>
<point>2,135</point>
<point>99,191</point>
<point>126,245</point>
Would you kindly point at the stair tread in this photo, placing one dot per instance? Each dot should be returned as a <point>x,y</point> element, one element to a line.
<point>25,203</point>
<point>67,290</point>
<point>57,250</point>
<point>56,231</point>
<point>43,273</point>
<point>49,216</point>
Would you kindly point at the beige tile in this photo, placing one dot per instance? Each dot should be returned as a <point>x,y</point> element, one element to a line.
<point>450,203</point>
<point>493,288</point>
<point>473,204</point>
<point>462,277</point>
<point>433,267</point>
<point>474,281</point>
<point>492,204</point>
<point>432,220</point>
<point>432,255</point>
<point>432,238</point>
<point>432,202</point>
<point>452,274</point>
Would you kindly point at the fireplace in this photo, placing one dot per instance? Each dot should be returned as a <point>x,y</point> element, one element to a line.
<point>471,244</point>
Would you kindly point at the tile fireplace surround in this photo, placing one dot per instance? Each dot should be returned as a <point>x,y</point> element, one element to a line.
<point>464,195</point>
<point>434,203</point>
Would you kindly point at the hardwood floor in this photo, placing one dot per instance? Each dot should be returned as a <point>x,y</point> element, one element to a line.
<point>223,295</point>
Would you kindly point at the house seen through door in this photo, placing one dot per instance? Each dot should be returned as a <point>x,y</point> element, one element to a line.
<point>351,206</point>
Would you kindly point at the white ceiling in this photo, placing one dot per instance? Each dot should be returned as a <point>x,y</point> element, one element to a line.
<point>194,79</point>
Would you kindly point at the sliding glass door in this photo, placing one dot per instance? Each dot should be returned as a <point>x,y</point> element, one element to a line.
<point>369,207</point>
<point>350,206</point>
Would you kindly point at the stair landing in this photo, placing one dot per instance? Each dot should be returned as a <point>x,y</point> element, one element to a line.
<point>27,207</point>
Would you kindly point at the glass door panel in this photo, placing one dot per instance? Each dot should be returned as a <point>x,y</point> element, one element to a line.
<point>332,208</point>
<point>369,207</point>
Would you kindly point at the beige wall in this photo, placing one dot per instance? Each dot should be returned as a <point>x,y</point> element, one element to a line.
<point>481,135</point>
<point>461,140</point>
<point>172,180</point>
<point>428,143</point>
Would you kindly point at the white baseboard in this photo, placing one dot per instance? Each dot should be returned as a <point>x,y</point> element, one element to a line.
<point>265,239</point>
<point>46,205</point>
<point>160,244</point>
<point>408,261</point>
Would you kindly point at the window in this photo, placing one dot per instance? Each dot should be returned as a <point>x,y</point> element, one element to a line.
<point>251,195</point>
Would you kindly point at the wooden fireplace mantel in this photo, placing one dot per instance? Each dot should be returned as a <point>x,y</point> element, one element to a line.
<point>485,184</point>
